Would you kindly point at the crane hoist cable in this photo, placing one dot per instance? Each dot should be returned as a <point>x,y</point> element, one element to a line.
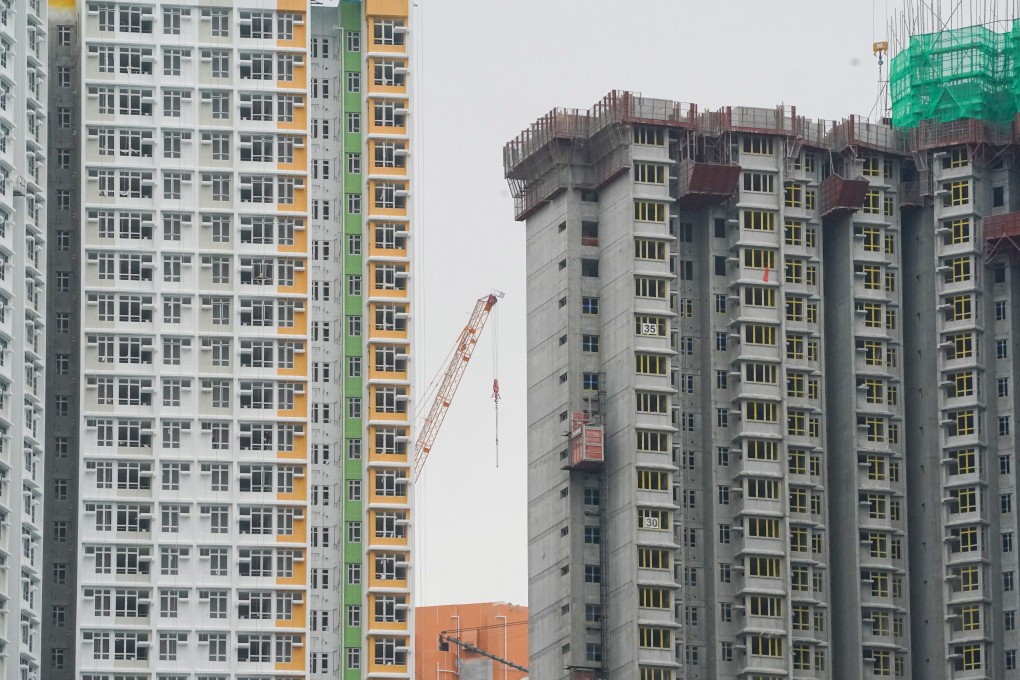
<point>495,380</point>
<point>463,350</point>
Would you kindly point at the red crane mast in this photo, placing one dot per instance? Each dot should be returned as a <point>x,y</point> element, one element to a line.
<point>451,379</point>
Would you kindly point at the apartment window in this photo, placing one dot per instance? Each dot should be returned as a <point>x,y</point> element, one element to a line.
<point>64,159</point>
<point>958,193</point>
<point>220,104</point>
<point>1000,310</point>
<point>64,76</point>
<point>353,81</point>
<point>354,123</point>
<point>759,182</point>
<point>173,101</point>
<point>172,58</point>
<point>353,204</point>
<point>871,202</point>
<point>759,220</point>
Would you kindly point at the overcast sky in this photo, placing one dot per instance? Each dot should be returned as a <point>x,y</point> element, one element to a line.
<point>485,71</point>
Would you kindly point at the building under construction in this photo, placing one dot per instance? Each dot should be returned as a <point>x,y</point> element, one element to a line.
<point>772,384</point>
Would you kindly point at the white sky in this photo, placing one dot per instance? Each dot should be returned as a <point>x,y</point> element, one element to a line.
<point>485,71</point>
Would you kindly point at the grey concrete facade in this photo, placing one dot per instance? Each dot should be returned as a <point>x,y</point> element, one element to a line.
<point>811,342</point>
<point>62,298</point>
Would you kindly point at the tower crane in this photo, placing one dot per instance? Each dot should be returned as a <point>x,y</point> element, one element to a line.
<point>463,350</point>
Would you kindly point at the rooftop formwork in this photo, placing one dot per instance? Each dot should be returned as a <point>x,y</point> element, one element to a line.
<point>587,149</point>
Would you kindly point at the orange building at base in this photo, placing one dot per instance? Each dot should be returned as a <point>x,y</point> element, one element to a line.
<point>499,628</point>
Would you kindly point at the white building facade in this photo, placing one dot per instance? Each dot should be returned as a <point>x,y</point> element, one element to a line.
<point>195,324</point>
<point>23,199</point>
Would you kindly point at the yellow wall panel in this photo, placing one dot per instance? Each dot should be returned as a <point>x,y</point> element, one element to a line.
<point>300,366</point>
<point>300,203</point>
<point>389,8</point>
<point>300,409</point>
<point>300,490</point>
<point>300,534</point>
<point>300,576</point>
<point>300,326</point>
<point>297,619</point>
<point>300,163</point>
<point>300,6</point>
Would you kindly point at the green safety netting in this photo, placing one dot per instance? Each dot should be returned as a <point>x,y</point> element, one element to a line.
<point>970,72</point>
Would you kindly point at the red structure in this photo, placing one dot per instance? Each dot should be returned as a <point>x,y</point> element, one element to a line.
<point>1002,235</point>
<point>702,184</point>
<point>840,196</point>
<point>587,449</point>
<point>451,379</point>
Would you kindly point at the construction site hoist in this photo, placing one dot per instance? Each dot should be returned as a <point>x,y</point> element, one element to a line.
<point>451,379</point>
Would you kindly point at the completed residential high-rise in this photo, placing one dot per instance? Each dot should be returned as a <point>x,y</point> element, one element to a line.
<point>771,391</point>
<point>24,206</point>
<point>230,463</point>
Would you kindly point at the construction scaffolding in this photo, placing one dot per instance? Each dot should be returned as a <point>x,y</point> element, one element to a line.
<point>841,196</point>
<point>960,63</point>
<point>1002,236</point>
<point>573,148</point>
<point>578,149</point>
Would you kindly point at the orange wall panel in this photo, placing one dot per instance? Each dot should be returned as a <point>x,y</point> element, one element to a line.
<point>300,79</point>
<point>300,6</point>
<point>300,534</point>
<point>300,490</point>
<point>300,366</point>
<point>300,286</point>
<point>300,574</point>
<point>298,41</point>
<point>300,451</point>
<point>300,203</point>
<point>399,376</point>
<point>390,8</point>
<point>373,497</point>
<point>373,582</point>
<point>509,641</point>
<point>300,326</point>
<point>300,119</point>
<point>300,163</point>
<point>296,621</point>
